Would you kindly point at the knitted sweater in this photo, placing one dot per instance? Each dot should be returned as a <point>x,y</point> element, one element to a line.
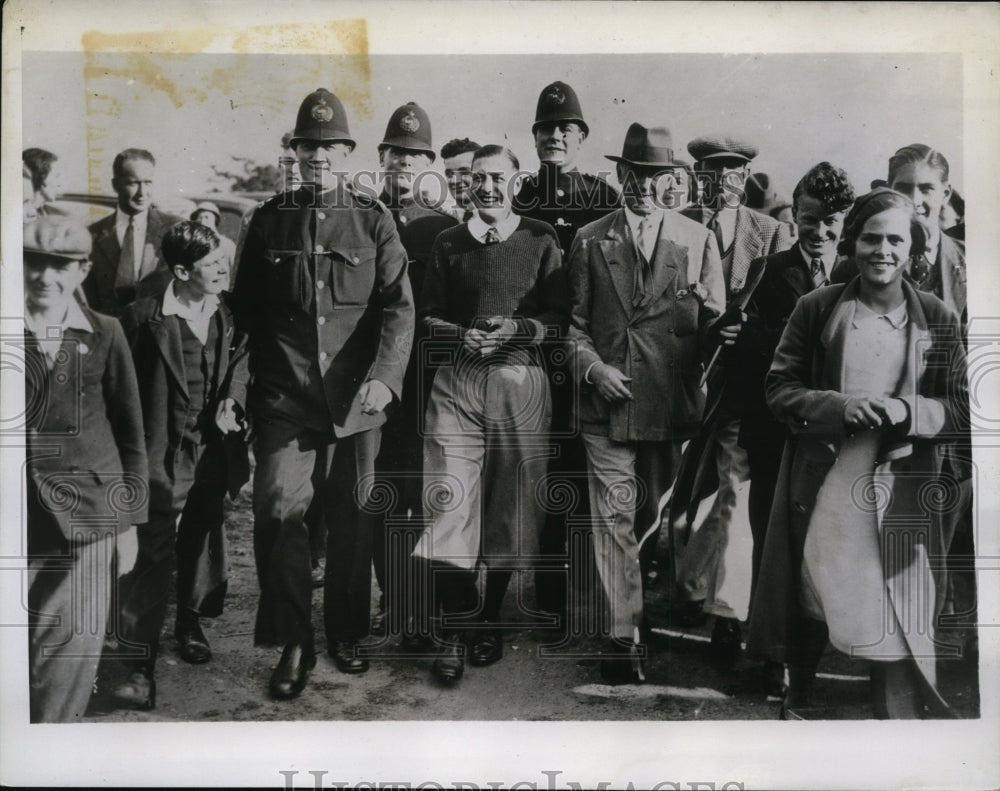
<point>521,278</point>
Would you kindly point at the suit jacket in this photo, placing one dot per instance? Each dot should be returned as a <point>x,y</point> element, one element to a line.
<point>323,319</point>
<point>658,343</point>
<point>156,345</point>
<point>756,236</point>
<point>805,391</point>
<point>99,287</point>
<point>786,278</point>
<point>86,458</point>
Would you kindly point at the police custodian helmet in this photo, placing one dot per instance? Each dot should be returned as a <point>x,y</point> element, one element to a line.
<point>409,128</point>
<point>558,102</point>
<point>321,118</point>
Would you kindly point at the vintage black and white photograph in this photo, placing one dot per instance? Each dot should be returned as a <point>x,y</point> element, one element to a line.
<point>393,386</point>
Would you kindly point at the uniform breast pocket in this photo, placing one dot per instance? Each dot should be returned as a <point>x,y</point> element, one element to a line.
<point>685,312</point>
<point>285,272</point>
<point>352,275</point>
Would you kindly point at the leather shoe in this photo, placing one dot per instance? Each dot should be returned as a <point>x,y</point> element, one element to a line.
<point>726,642</point>
<point>450,663</point>
<point>289,677</point>
<point>486,648</point>
<point>138,692</point>
<point>192,644</point>
<point>624,665</point>
<point>689,614</point>
<point>379,624</point>
<point>346,658</point>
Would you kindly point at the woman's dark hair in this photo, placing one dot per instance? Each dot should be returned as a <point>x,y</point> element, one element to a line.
<point>187,242</point>
<point>917,153</point>
<point>875,202</point>
<point>39,164</point>
<point>827,184</point>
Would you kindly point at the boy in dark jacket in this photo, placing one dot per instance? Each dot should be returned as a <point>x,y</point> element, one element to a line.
<point>192,372</point>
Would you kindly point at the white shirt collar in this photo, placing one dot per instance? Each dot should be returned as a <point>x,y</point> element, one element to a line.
<point>121,223</point>
<point>828,261</point>
<point>50,336</point>
<point>197,316</point>
<point>896,317</point>
<point>507,226</point>
<point>653,220</point>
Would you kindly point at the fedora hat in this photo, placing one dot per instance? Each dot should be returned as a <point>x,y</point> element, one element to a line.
<point>651,146</point>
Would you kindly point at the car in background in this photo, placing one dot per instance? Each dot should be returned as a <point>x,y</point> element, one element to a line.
<point>89,208</point>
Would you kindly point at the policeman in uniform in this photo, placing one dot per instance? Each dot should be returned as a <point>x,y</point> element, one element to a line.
<point>566,199</point>
<point>323,294</point>
<point>404,154</point>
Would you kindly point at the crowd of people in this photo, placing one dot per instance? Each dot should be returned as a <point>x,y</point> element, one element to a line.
<point>416,379</point>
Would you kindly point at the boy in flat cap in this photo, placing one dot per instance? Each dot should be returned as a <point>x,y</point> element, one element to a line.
<point>646,285</point>
<point>742,235</point>
<point>192,370</point>
<point>323,295</point>
<point>567,199</point>
<point>405,153</point>
<point>86,468</point>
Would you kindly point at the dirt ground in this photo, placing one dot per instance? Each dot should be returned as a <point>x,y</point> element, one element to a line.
<point>543,676</point>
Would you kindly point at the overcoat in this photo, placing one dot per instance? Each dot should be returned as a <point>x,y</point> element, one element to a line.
<point>659,342</point>
<point>86,458</point>
<point>99,287</point>
<point>805,392</point>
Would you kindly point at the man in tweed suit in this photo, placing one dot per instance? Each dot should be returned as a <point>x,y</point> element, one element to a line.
<point>742,236</point>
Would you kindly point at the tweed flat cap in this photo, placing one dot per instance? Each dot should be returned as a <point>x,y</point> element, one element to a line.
<point>717,146</point>
<point>57,237</point>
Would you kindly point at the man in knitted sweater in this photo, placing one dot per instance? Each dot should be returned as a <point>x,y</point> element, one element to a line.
<point>496,289</point>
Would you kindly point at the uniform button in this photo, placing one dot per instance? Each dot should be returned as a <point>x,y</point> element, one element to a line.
<point>70,429</point>
<point>321,320</point>
<point>319,284</point>
<point>356,259</point>
<point>84,348</point>
<point>322,355</point>
<point>402,219</point>
<point>318,249</point>
<point>321,215</point>
<point>561,193</point>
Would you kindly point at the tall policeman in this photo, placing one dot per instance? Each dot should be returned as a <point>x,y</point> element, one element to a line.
<point>323,294</point>
<point>567,199</point>
<point>406,152</point>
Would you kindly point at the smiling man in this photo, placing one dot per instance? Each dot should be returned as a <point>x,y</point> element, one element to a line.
<point>323,295</point>
<point>495,290</point>
<point>126,257</point>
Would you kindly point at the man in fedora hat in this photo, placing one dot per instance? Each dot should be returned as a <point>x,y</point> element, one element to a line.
<point>567,199</point>
<point>323,294</point>
<point>742,235</point>
<point>646,284</point>
<point>406,152</point>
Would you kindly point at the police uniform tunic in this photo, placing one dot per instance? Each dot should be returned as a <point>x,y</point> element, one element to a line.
<point>323,294</point>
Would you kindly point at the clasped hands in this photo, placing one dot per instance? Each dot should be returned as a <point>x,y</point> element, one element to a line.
<point>864,412</point>
<point>485,342</point>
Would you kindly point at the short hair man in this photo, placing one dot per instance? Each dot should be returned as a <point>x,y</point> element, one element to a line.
<point>646,284</point>
<point>192,370</point>
<point>742,235</point>
<point>405,153</point>
<point>457,156</point>
<point>126,256</point>
<point>323,294</point>
<point>489,410</point>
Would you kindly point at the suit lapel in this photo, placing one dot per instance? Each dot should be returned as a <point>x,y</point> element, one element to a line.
<point>917,343</point>
<point>953,286</point>
<point>107,243</point>
<point>832,338</point>
<point>668,259</point>
<point>618,253</point>
<point>746,246</point>
<point>167,335</point>
<point>154,223</point>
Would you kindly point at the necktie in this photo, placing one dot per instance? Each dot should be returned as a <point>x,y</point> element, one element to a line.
<point>645,242</point>
<point>125,277</point>
<point>492,236</point>
<point>716,228</point>
<point>818,271</point>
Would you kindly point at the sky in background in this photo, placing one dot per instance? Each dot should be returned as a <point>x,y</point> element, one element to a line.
<point>198,110</point>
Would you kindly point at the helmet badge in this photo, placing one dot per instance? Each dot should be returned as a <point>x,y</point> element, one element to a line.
<point>322,112</point>
<point>556,95</point>
<point>409,123</point>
